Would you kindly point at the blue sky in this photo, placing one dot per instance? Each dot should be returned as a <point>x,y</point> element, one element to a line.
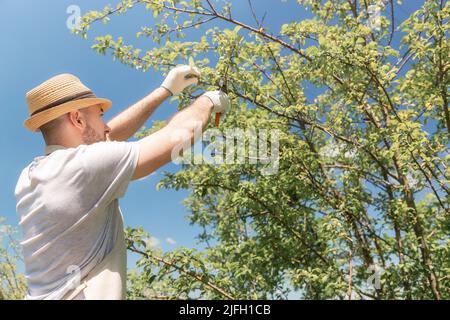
<point>36,44</point>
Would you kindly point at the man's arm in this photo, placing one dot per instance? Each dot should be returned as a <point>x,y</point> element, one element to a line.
<point>156,149</point>
<point>128,122</point>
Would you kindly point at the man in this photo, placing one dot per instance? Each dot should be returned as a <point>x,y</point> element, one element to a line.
<point>67,200</point>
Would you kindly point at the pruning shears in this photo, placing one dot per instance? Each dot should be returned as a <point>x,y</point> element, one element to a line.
<point>223,86</point>
<point>222,83</point>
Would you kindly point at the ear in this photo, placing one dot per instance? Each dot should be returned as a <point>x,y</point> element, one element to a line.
<point>77,119</point>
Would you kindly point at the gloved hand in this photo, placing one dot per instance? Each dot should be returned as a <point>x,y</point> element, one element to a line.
<point>219,99</point>
<point>180,77</point>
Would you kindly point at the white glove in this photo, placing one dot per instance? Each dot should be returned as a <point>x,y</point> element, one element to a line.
<point>180,77</point>
<point>219,99</point>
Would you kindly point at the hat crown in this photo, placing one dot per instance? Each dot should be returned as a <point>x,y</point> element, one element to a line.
<point>59,95</point>
<point>57,88</point>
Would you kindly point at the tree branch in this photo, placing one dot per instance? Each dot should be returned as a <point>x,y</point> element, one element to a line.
<point>184,271</point>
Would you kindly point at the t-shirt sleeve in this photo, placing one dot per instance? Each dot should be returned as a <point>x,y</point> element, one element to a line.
<point>108,168</point>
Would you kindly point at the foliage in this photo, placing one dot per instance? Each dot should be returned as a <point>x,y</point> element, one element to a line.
<point>12,283</point>
<point>362,111</point>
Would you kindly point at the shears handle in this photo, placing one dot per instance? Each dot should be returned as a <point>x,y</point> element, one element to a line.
<point>217,119</point>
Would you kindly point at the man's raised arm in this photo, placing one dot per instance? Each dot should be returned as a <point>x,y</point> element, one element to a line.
<point>155,150</point>
<point>129,121</point>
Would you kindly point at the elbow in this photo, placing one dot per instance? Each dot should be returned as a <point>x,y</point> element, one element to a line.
<point>189,132</point>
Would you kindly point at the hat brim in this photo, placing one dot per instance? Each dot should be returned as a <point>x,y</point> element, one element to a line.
<point>35,122</point>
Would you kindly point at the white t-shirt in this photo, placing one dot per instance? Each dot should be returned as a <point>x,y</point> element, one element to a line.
<point>67,203</point>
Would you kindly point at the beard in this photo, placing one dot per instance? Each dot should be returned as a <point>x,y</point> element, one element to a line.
<point>91,136</point>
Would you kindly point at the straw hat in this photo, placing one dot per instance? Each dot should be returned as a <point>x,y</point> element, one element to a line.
<point>57,96</point>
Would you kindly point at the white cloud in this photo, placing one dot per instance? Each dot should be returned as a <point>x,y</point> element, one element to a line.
<point>169,240</point>
<point>4,231</point>
<point>152,242</point>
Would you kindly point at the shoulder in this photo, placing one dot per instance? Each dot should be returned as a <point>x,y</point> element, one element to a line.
<point>23,179</point>
<point>106,149</point>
